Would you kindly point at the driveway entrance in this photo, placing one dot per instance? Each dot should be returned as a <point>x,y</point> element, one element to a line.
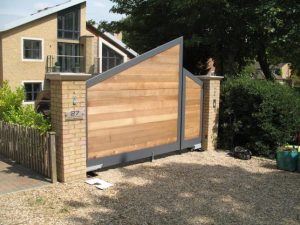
<point>14,177</point>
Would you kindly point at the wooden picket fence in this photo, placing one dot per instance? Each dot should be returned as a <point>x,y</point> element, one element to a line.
<point>29,147</point>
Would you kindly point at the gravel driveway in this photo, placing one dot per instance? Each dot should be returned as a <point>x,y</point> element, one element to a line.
<point>192,188</point>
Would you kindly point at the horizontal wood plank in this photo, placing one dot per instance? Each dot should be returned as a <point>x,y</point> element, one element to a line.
<point>131,121</point>
<point>133,93</point>
<point>127,139</point>
<point>193,99</point>
<point>150,85</point>
<point>107,101</point>
<point>133,147</point>
<point>131,114</point>
<point>135,109</point>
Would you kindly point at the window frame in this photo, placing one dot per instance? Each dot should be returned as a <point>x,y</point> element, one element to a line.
<point>61,57</point>
<point>31,82</point>
<point>22,49</point>
<point>101,42</point>
<point>74,32</point>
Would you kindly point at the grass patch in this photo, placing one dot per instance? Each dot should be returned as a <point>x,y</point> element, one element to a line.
<point>64,209</point>
<point>37,201</point>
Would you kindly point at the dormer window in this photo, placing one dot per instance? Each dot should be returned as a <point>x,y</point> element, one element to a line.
<point>68,24</point>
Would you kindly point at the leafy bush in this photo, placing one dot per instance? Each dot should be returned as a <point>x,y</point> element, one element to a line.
<point>259,115</point>
<point>13,111</point>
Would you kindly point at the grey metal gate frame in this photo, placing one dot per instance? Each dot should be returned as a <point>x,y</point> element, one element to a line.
<point>190,143</point>
<point>180,144</point>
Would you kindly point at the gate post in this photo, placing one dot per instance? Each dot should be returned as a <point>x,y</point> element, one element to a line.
<point>211,102</point>
<point>68,120</point>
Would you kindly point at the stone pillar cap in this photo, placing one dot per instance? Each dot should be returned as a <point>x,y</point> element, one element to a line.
<point>209,77</point>
<point>68,76</point>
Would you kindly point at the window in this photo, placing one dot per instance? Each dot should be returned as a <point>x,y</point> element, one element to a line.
<point>69,56</point>
<point>110,58</point>
<point>32,49</point>
<point>31,90</point>
<point>68,24</point>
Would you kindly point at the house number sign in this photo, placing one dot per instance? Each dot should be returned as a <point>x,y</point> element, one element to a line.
<point>74,115</point>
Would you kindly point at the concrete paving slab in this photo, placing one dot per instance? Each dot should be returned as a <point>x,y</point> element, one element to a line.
<point>14,177</point>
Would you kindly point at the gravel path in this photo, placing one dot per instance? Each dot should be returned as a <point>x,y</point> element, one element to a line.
<point>192,188</point>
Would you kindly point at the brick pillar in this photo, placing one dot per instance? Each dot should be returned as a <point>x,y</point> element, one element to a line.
<point>211,102</point>
<point>88,53</point>
<point>68,93</point>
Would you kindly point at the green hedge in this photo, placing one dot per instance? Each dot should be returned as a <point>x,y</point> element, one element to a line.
<point>258,114</point>
<point>13,111</point>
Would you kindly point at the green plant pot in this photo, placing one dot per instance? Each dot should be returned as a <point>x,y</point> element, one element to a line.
<point>287,160</point>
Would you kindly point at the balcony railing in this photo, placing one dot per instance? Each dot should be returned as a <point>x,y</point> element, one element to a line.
<point>65,64</point>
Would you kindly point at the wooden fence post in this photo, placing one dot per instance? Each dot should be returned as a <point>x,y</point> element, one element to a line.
<point>53,157</point>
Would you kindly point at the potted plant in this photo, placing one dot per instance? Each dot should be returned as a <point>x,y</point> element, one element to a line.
<point>287,158</point>
<point>57,67</point>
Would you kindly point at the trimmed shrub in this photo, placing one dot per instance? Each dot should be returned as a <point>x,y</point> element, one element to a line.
<point>257,114</point>
<point>13,111</point>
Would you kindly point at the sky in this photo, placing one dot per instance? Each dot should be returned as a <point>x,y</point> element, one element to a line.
<point>11,10</point>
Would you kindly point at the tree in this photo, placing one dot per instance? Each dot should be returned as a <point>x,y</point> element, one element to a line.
<point>91,22</point>
<point>13,111</point>
<point>231,31</point>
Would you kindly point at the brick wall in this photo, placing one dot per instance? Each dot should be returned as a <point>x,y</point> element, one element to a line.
<point>70,135</point>
<point>211,102</point>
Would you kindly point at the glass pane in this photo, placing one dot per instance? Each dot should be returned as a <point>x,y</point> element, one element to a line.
<point>76,22</point>
<point>59,22</point>
<point>68,49</point>
<point>68,59</point>
<point>110,58</point>
<point>77,49</point>
<point>69,21</point>
<point>111,63</point>
<point>32,49</point>
<point>76,35</point>
<point>27,44</point>
<point>60,48</point>
<point>37,87</point>
<point>60,34</point>
<point>68,35</point>
<point>28,87</point>
<point>27,54</point>
<point>104,64</point>
<point>36,44</point>
<point>35,54</point>
<point>32,90</point>
<point>104,51</point>
<point>29,96</point>
<point>119,61</point>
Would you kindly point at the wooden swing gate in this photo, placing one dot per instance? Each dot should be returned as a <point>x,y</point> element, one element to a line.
<point>148,106</point>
